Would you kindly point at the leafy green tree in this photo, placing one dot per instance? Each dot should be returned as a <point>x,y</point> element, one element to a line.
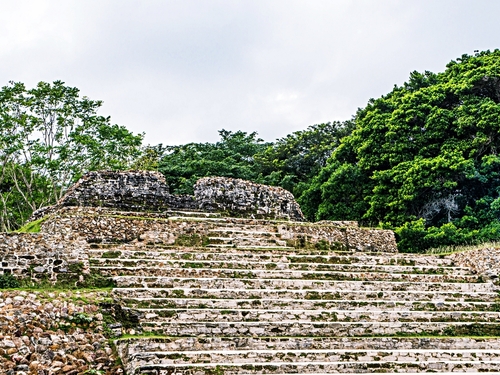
<point>291,162</point>
<point>426,155</point>
<point>49,137</point>
<point>150,158</point>
<point>232,156</point>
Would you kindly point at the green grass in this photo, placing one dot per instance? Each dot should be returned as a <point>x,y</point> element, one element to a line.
<point>33,226</point>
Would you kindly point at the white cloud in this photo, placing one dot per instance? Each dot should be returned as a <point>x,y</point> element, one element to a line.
<point>181,70</point>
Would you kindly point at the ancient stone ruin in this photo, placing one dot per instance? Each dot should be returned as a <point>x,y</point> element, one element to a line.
<point>140,191</point>
<point>232,280</point>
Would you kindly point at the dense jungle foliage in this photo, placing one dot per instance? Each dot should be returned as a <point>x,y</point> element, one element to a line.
<point>422,160</point>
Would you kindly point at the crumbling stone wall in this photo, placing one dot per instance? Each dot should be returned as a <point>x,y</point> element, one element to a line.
<point>41,256</point>
<point>244,198</point>
<point>147,191</point>
<point>132,191</point>
<point>485,261</point>
<point>106,225</point>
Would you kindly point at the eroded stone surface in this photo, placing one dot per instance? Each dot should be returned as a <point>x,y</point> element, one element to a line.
<point>53,333</point>
<point>245,198</point>
<point>147,191</point>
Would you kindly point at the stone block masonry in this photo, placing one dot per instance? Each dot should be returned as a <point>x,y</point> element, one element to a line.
<point>106,225</point>
<point>41,256</point>
<point>244,198</point>
<point>147,191</point>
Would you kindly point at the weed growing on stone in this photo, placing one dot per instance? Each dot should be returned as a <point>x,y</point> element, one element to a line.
<point>33,226</point>
<point>111,254</point>
<point>8,281</point>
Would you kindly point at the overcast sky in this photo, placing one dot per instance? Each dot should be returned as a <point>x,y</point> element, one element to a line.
<point>181,70</point>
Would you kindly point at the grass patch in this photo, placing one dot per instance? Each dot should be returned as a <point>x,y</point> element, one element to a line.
<point>33,226</point>
<point>191,240</point>
<point>111,254</point>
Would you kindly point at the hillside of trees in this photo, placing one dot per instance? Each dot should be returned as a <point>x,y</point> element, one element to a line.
<point>421,160</point>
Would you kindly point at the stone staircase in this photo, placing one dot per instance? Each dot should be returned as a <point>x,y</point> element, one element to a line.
<point>247,301</point>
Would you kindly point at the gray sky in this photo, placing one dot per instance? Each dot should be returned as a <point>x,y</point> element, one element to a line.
<point>181,70</point>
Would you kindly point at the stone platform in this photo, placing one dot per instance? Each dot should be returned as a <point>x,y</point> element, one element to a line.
<point>201,293</point>
<point>221,295</point>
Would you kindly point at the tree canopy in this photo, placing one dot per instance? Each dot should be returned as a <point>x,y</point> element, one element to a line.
<point>232,156</point>
<point>291,162</point>
<point>49,137</point>
<point>422,159</point>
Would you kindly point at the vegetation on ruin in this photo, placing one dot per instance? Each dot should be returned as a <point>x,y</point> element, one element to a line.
<point>32,226</point>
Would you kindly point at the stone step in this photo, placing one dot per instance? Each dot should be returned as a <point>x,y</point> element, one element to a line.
<point>235,224</point>
<point>241,242</point>
<point>161,315</point>
<point>321,329</point>
<point>142,250</point>
<point>291,356</point>
<point>319,368</point>
<point>306,294</point>
<point>191,214</point>
<point>297,275</point>
<point>261,247</point>
<point>229,232</point>
<point>216,282</point>
<point>301,304</point>
<point>123,261</point>
<point>135,345</point>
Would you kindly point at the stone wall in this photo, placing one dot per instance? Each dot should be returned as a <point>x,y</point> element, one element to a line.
<point>147,191</point>
<point>41,256</point>
<point>133,190</point>
<point>481,261</point>
<point>244,198</point>
<point>106,225</point>
<point>43,333</point>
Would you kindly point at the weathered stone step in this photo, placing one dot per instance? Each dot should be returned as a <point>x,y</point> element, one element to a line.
<point>312,343</point>
<point>141,250</point>
<point>270,247</point>
<point>313,356</point>
<point>239,242</point>
<point>302,304</point>
<point>281,265</point>
<point>298,284</point>
<point>191,214</point>
<point>237,224</point>
<point>307,294</point>
<point>229,232</point>
<point>316,329</point>
<point>282,274</point>
<point>320,368</point>
<point>160,315</point>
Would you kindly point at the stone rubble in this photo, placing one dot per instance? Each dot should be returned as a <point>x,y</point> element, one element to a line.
<point>481,261</point>
<point>48,333</point>
<point>244,198</point>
